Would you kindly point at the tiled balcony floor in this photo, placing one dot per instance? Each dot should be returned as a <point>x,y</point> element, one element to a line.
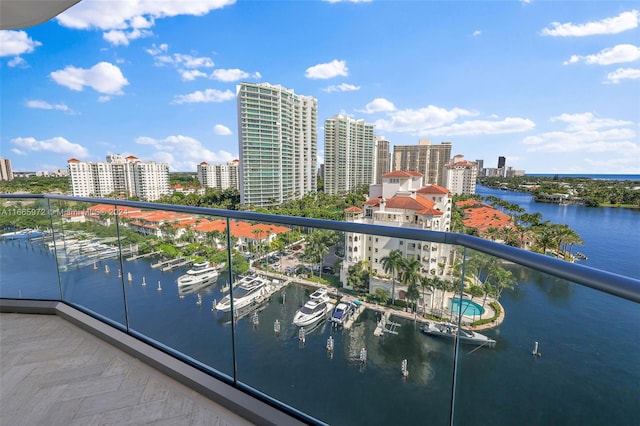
<point>54,373</point>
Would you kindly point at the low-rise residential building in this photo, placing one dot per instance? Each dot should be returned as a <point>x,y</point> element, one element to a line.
<point>401,200</point>
<point>461,175</point>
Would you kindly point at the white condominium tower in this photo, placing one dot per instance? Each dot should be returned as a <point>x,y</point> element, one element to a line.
<point>219,176</point>
<point>348,154</point>
<point>120,176</point>
<point>461,176</point>
<point>277,142</point>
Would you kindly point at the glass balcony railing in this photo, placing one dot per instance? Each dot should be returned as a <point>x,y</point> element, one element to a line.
<point>236,294</point>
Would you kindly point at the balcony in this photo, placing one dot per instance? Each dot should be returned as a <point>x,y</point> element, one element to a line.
<point>239,367</point>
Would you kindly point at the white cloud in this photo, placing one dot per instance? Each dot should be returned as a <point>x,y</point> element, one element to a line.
<point>378,105</point>
<point>476,33</point>
<point>623,74</point>
<point>586,133</point>
<point>206,96</point>
<point>233,74</point>
<point>190,75</point>
<point>119,37</point>
<point>183,153</point>
<point>344,87</point>
<point>422,120</point>
<point>57,145</point>
<point>127,17</point>
<point>587,121</point>
<point>156,50</point>
<point>103,77</point>
<point>613,55</point>
<point>485,127</point>
<point>38,104</point>
<point>328,70</point>
<point>623,22</point>
<point>104,98</point>
<point>220,129</point>
<point>13,43</point>
<point>18,62</point>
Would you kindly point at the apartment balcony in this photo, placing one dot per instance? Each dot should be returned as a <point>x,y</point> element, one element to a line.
<point>124,343</point>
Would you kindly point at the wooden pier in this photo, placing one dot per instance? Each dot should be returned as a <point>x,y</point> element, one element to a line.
<point>142,256</point>
<point>177,265</point>
<point>165,263</point>
<point>352,319</point>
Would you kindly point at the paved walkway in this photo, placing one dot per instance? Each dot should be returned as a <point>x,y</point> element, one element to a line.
<point>54,373</point>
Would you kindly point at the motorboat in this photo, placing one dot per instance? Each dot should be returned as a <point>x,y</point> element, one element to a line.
<point>342,312</point>
<point>452,331</point>
<point>200,274</point>
<point>250,290</point>
<point>316,308</point>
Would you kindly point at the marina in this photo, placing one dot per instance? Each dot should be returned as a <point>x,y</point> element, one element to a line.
<point>541,310</point>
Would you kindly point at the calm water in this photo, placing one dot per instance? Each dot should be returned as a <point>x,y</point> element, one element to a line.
<point>589,372</point>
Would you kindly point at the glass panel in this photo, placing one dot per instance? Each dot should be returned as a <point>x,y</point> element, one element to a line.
<point>564,354</point>
<point>87,249</point>
<point>27,257</point>
<point>326,366</point>
<point>178,272</point>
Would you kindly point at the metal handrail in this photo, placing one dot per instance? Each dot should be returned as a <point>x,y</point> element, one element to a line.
<point>614,284</point>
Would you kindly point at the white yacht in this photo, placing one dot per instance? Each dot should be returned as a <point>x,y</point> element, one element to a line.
<point>199,275</point>
<point>452,331</point>
<point>250,290</point>
<point>316,308</point>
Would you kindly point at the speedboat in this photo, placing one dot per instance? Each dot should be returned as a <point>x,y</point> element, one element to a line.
<point>250,290</point>
<point>452,331</point>
<point>314,310</point>
<point>200,274</point>
<point>342,312</point>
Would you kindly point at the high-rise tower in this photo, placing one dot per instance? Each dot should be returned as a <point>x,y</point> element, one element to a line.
<point>348,154</point>
<point>423,158</point>
<point>277,142</point>
<point>382,158</point>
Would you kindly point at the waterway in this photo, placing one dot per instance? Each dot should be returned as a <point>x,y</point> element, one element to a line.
<point>588,374</point>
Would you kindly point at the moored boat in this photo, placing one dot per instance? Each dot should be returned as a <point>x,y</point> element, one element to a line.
<point>199,275</point>
<point>452,331</point>
<point>316,309</point>
<point>342,313</point>
<point>250,290</point>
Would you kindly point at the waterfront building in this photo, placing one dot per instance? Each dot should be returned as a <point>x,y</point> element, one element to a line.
<point>460,176</point>
<point>277,142</point>
<point>5,169</point>
<point>382,159</point>
<point>348,154</point>
<point>424,158</point>
<point>401,200</point>
<point>124,176</point>
<point>219,176</point>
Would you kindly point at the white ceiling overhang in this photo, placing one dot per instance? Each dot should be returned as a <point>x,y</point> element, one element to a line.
<point>16,14</point>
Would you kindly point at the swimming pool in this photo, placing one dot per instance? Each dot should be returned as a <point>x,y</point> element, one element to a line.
<point>469,308</point>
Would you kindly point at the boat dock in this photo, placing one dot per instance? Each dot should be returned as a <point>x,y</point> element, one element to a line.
<point>352,319</point>
<point>142,256</point>
<point>166,263</point>
<point>382,325</point>
<point>177,265</point>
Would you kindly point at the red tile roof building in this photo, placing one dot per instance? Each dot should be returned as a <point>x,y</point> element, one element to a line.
<point>401,200</point>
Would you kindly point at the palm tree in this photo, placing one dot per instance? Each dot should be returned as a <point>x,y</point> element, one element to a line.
<point>392,264</point>
<point>427,282</point>
<point>317,246</point>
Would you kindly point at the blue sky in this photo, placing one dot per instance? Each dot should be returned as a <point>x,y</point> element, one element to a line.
<point>552,86</point>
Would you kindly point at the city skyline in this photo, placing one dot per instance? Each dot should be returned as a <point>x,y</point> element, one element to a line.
<point>553,87</point>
